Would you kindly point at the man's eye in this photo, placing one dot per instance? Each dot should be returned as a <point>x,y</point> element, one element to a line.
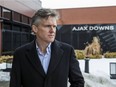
<point>54,26</point>
<point>50,26</point>
<point>47,26</point>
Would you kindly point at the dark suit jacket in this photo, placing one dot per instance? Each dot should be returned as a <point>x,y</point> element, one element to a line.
<point>27,70</point>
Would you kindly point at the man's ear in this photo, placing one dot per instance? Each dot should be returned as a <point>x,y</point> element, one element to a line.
<point>34,29</point>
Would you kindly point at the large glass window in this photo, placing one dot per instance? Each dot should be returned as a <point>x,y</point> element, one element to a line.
<point>6,41</point>
<point>24,38</point>
<point>7,26</point>
<point>25,19</point>
<point>16,28</point>
<point>26,29</point>
<point>16,37</point>
<point>15,31</point>
<point>0,12</point>
<point>25,35</point>
<point>16,16</point>
<point>30,21</point>
<point>6,13</point>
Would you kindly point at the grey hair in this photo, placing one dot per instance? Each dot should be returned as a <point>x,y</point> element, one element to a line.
<point>44,14</point>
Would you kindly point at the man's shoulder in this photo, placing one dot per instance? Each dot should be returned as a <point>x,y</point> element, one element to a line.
<point>24,46</point>
<point>63,44</point>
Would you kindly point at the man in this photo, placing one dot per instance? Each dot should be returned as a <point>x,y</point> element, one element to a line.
<point>45,62</point>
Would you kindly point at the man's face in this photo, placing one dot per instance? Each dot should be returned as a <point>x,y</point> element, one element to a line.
<point>46,30</point>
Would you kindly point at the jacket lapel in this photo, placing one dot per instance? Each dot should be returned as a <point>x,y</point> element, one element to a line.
<point>33,58</point>
<point>56,56</point>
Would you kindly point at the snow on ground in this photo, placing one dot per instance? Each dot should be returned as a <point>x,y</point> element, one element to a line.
<point>98,65</point>
<point>98,76</point>
<point>2,65</point>
<point>4,76</point>
<point>99,73</point>
<point>94,80</point>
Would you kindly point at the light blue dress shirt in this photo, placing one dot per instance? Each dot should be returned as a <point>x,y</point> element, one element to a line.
<point>44,58</point>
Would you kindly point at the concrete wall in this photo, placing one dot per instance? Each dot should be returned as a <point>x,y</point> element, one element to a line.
<point>96,15</point>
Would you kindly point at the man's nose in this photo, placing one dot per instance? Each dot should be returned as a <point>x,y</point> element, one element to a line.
<point>52,29</point>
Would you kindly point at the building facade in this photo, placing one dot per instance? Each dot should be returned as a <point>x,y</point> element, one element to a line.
<point>78,26</point>
<point>15,19</point>
<point>15,30</point>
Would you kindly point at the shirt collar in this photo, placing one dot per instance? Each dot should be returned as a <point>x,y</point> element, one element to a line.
<point>48,49</point>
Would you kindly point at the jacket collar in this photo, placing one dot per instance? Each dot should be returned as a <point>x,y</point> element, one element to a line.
<point>56,55</point>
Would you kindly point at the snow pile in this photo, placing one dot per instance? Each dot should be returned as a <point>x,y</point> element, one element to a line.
<point>4,76</point>
<point>99,75</point>
<point>91,80</point>
<point>98,80</point>
<point>2,65</point>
